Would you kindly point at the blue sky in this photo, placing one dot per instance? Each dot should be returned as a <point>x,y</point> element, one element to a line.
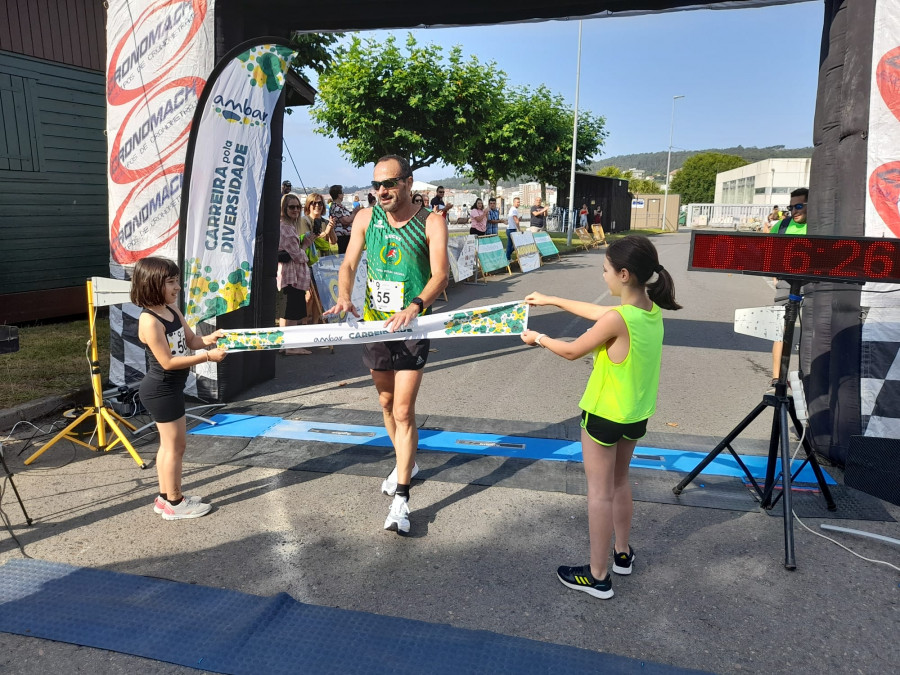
<point>749,78</point>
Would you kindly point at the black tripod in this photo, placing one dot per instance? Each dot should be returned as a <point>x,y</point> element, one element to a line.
<point>9,475</point>
<point>784,406</point>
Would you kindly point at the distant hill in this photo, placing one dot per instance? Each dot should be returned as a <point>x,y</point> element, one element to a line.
<point>654,163</point>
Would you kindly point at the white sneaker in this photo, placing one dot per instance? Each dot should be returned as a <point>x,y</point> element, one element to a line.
<point>186,509</point>
<point>398,517</point>
<point>389,485</point>
<point>160,505</point>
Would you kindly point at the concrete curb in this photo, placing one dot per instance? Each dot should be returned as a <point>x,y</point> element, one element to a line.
<point>33,410</point>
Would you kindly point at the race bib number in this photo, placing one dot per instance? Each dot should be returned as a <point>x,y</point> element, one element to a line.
<point>386,296</point>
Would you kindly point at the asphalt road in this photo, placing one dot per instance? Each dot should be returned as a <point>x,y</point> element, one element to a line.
<point>711,376</point>
<point>709,589</point>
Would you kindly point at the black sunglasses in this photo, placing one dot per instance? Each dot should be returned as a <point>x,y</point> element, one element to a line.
<point>319,203</point>
<point>293,206</point>
<point>797,207</point>
<point>389,183</point>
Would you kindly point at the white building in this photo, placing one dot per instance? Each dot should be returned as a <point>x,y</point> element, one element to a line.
<point>767,182</point>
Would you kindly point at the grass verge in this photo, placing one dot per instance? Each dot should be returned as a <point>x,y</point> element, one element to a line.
<point>51,361</point>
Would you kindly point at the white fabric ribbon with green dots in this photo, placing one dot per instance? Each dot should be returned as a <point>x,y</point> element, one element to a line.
<point>505,319</point>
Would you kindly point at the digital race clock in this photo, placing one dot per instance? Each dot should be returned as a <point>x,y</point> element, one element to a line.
<point>849,259</point>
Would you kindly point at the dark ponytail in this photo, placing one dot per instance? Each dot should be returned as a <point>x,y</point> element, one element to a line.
<point>638,255</point>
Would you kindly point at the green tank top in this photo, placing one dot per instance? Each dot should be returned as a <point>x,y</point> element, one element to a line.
<point>396,255</point>
<point>626,392</point>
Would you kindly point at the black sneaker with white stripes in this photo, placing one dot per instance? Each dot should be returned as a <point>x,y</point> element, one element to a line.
<point>581,579</point>
<point>623,563</point>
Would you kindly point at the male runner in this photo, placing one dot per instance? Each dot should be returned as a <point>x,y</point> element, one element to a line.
<point>407,270</point>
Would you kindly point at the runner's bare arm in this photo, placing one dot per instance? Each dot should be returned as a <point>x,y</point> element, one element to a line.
<point>586,310</point>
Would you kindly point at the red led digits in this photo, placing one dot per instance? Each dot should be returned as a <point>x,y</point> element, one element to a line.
<point>796,256</point>
<point>853,259</point>
<point>877,263</point>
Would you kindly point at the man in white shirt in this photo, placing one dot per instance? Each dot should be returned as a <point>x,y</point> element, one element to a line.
<point>512,225</point>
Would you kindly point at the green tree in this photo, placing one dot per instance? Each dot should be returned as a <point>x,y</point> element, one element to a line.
<point>638,186</point>
<point>614,172</point>
<point>313,52</point>
<point>550,142</point>
<point>696,181</point>
<point>381,100</point>
<point>502,150</point>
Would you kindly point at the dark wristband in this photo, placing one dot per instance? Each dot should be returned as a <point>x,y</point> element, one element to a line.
<point>418,301</point>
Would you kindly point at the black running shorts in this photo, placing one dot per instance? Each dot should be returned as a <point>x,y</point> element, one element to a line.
<point>607,432</point>
<point>396,355</point>
<point>163,399</point>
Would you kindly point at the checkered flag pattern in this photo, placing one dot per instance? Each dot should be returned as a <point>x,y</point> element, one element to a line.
<point>127,360</point>
<point>880,373</point>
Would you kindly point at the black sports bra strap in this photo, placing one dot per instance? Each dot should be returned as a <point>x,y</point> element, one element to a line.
<point>164,321</point>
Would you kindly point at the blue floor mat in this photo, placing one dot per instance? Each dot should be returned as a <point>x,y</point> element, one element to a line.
<point>523,447</point>
<point>229,632</point>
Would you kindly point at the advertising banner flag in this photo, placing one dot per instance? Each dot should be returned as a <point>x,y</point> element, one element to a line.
<point>505,319</point>
<point>226,163</point>
<point>526,251</point>
<point>491,254</point>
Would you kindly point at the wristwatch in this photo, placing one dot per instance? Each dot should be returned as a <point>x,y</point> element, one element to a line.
<point>537,340</point>
<point>418,301</point>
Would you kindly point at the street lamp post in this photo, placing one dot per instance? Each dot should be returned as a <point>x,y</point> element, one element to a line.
<point>669,161</point>
<point>571,227</point>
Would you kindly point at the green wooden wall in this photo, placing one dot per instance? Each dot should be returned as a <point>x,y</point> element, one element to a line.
<point>53,198</point>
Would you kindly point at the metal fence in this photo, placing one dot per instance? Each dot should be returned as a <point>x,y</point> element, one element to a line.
<point>745,217</point>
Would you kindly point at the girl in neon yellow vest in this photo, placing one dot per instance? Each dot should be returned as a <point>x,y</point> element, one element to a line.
<point>619,399</point>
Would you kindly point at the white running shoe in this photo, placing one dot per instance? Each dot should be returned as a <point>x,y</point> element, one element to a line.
<point>160,504</point>
<point>186,509</point>
<point>398,517</point>
<point>389,485</point>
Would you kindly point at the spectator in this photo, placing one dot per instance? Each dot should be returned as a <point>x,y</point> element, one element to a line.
<point>493,219</point>
<point>418,200</point>
<point>342,217</point>
<point>371,199</point>
<point>583,216</point>
<point>286,187</point>
<point>772,218</point>
<point>293,276</point>
<point>538,216</point>
<point>314,221</point>
<point>478,218</point>
<point>438,206</point>
<point>512,225</point>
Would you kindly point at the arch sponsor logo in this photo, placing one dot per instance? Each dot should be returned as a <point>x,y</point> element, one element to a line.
<point>149,50</point>
<point>148,217</point>
<point>265,68</point>
<point>152,133</point>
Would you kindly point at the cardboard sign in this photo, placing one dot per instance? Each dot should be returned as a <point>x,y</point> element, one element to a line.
<point>491,254</point>
<point>526,250</point>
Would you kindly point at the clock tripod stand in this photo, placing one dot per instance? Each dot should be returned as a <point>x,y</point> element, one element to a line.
<point>779,442</point>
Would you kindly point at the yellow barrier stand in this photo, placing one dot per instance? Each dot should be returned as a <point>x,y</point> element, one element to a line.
<point>104,415</point>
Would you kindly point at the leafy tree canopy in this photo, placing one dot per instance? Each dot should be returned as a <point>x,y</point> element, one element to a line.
<point>696,181</point>
<point>638,186</point>
<point>380,99</point>
<point>550,143</point>
<point>313,52</point>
